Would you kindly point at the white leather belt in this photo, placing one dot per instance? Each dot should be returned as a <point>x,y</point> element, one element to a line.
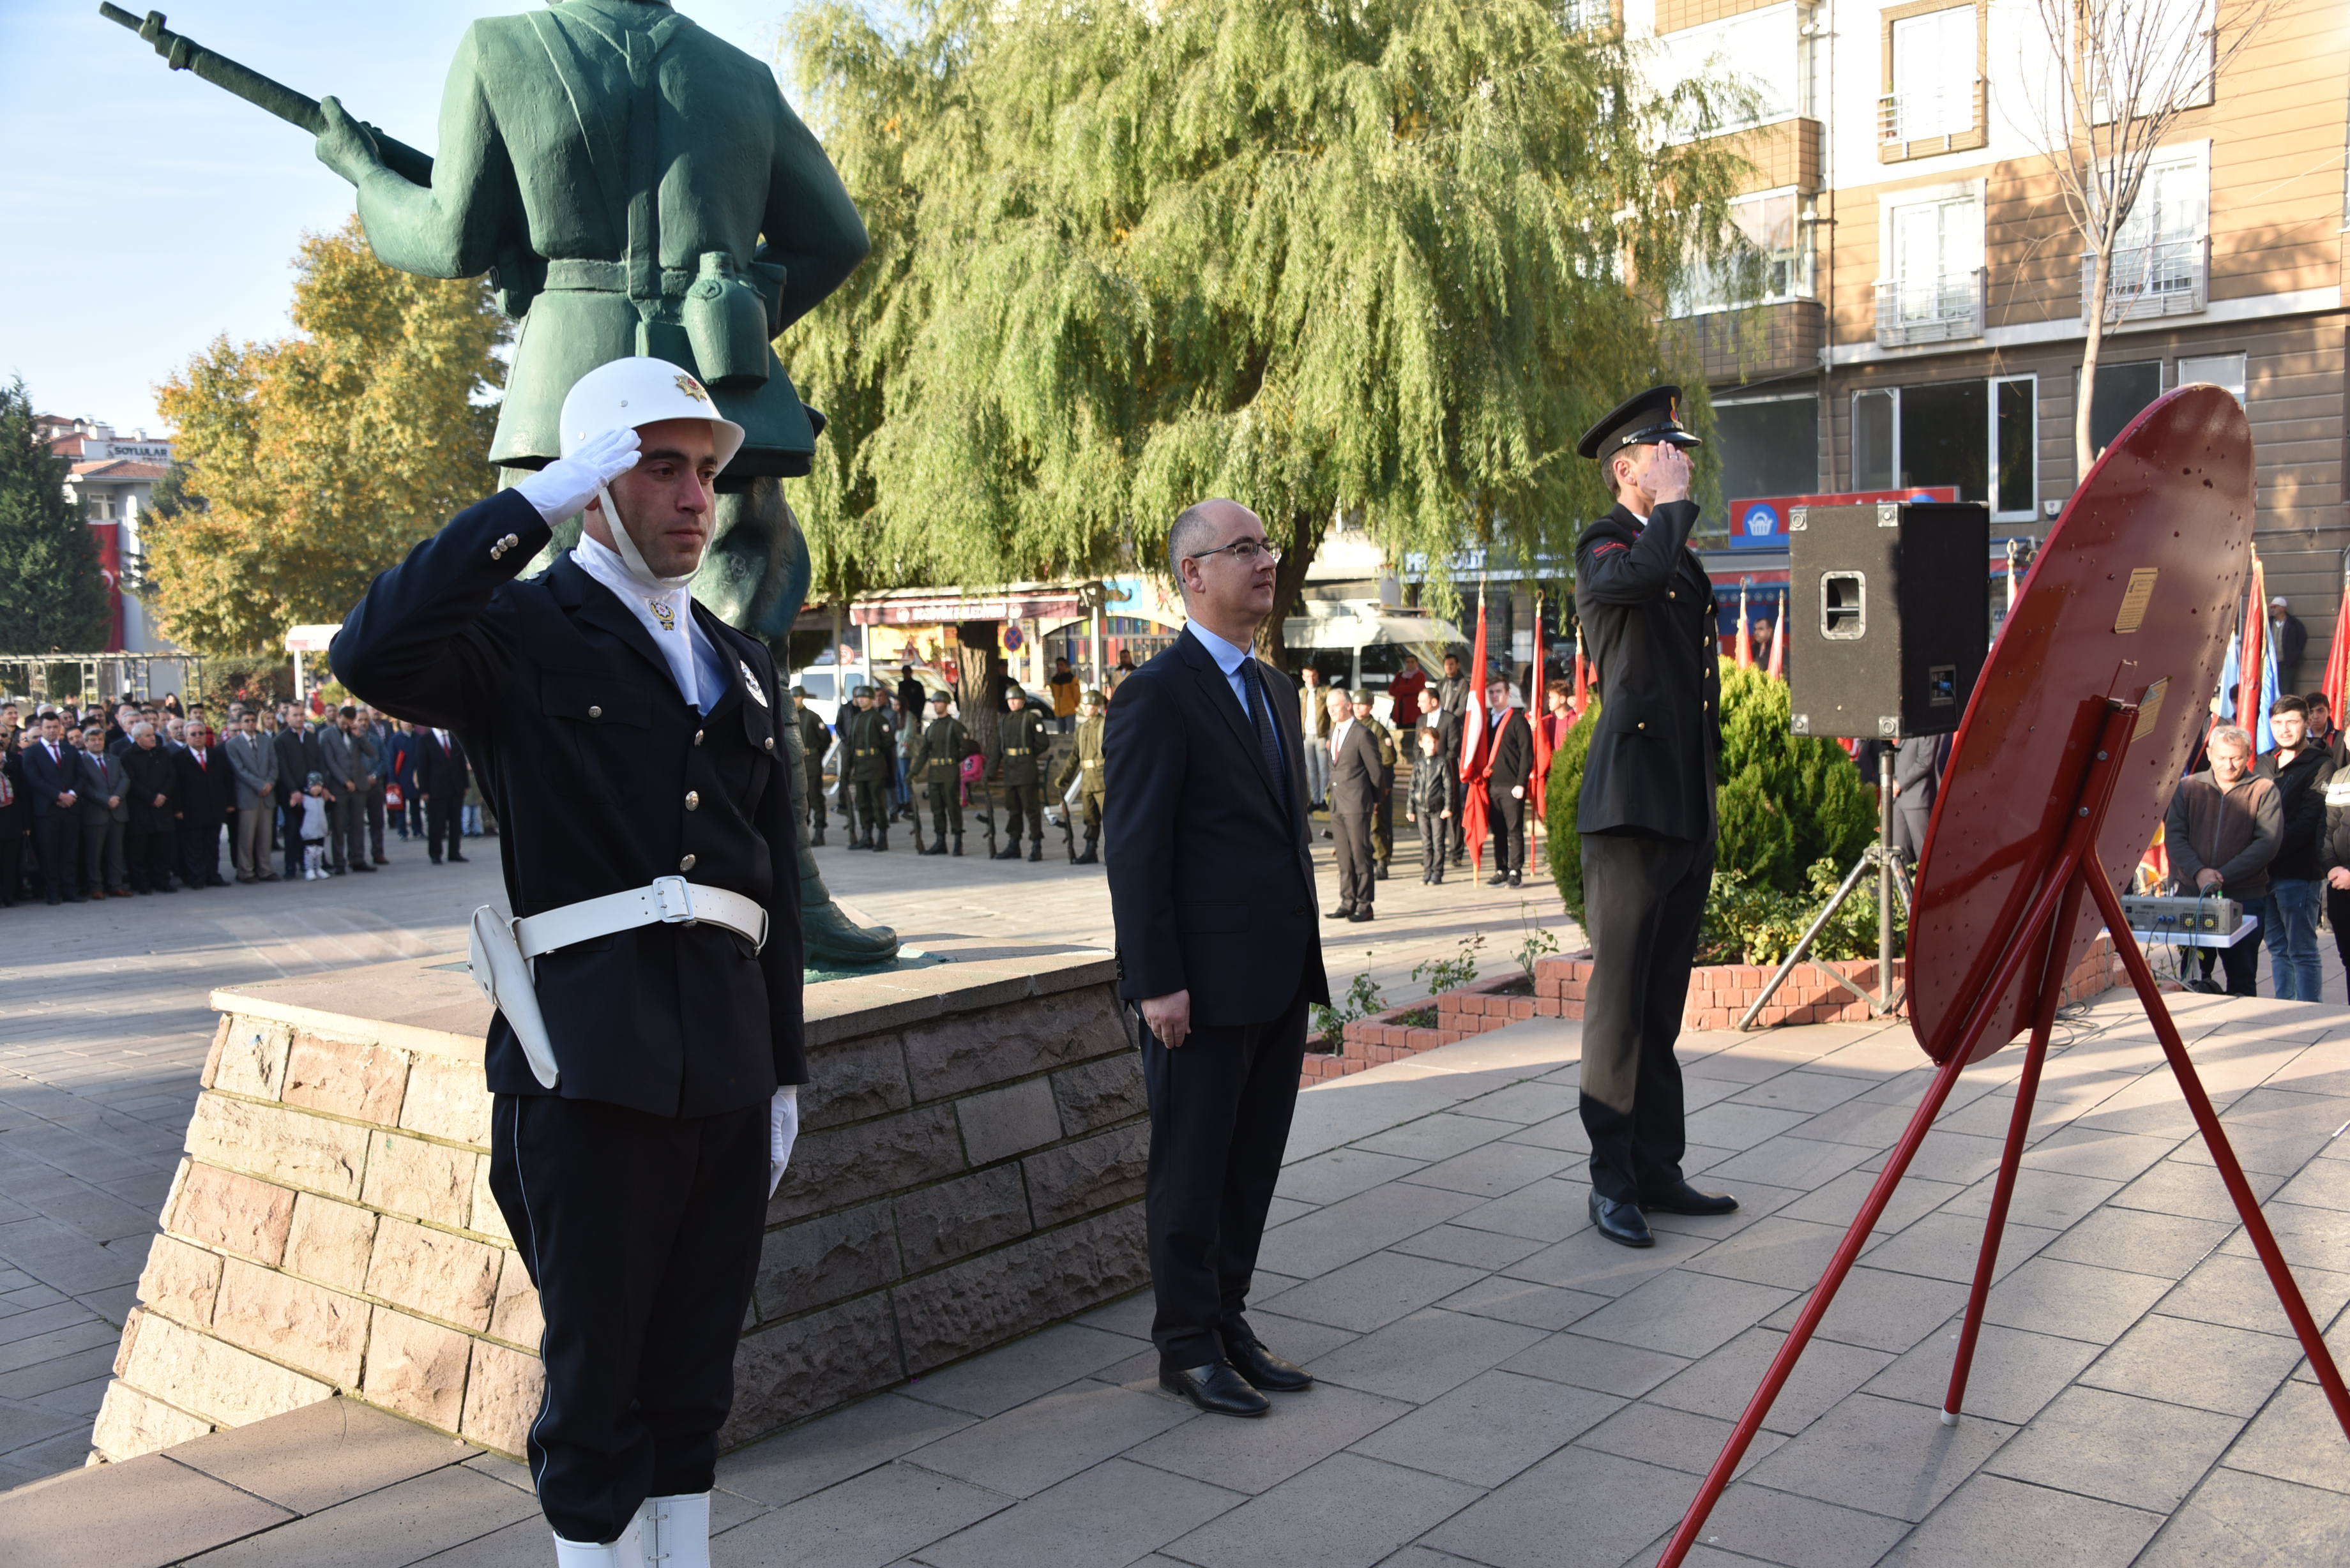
<point>670,901</point>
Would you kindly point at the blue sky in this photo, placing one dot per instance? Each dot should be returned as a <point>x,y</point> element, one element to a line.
<point>144,212</point>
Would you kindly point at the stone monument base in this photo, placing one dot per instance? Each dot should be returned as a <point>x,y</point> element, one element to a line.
<point>970,1168</point>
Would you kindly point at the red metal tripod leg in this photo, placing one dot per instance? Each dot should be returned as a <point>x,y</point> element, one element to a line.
<point>2256,1225</point>
<point>1968,1029</point>
<point>2027,1089</point>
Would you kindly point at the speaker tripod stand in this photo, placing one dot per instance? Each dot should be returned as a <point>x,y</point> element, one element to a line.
<point>1891,875</point>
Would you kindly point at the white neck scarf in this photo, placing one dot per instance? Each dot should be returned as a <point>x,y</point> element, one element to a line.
<point>664,604</point>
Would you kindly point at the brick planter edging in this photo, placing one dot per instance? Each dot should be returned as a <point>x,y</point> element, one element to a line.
<point>1719,995</point>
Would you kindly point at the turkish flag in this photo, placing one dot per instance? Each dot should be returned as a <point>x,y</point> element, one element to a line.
<point>1475,745</point>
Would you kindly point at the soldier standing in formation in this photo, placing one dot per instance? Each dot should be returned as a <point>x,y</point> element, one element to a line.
<point>1084,762</point>
<point>937,765</point>
<point>1018,764</point>
<point>1647,816</point>
<point>1383,815</point>
<point>816,739</point>
<point>867,750</point>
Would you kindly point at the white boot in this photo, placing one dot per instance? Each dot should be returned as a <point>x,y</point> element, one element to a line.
<point>677,1532</point>
<point>627,1551</point>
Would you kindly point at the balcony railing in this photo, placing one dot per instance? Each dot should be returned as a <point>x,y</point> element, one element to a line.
<point>1923,115</point>
<point>2170,278</point>
<point>1933,309</point>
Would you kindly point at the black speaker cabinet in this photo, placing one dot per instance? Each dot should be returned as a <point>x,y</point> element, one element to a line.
<point>1890,605</point>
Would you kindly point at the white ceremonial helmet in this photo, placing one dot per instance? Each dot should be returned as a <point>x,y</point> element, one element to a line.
<point>626,394</point>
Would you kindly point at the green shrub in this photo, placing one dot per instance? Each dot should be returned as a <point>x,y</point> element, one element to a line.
<point>1793,816</point>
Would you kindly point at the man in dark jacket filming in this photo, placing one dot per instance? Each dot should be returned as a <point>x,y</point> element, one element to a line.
<point>2221,831</point>
<point>2300,769</point>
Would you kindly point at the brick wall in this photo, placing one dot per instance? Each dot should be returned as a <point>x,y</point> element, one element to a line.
<point>970,1167</point>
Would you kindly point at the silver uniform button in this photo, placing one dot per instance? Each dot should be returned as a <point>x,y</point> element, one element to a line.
<point>771,743</point>
<point>594,711</point>
<point>694,800</point>
<point>697,737</point>
<point>686,864</point>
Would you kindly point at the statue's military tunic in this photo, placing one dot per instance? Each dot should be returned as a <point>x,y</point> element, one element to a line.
<point>620,168</point>
<point>636,1190</point>
<point>868,750</point>
<point>1018,760</point>
<point>937,766</point>
<point>816,739</point>
<point>1647,821</point>
<point>1084,764</point>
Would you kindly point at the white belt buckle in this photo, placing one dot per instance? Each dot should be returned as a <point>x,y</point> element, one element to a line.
<point>674,898</point>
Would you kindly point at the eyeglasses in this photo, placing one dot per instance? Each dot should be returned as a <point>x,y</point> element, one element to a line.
<point>1247,552</point>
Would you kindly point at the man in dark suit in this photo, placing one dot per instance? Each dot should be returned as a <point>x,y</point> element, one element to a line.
<point>298,758</point>
<point>1356,771</point>
<point>1512,769</point>
<point>1646,814</point>
<point>207,789</point>
<point>53,780</point>
<point>1917,779</point>
<point>105,818</point>
<point>637,1139</point>
<point>440,773</point>
<point>1211,893</point>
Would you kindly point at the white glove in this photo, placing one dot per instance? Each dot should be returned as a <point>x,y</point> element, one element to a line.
<point>568,484</point>
<point>782,1131</point>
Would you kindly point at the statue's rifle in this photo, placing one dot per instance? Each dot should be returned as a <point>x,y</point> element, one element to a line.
<point>184,54</point>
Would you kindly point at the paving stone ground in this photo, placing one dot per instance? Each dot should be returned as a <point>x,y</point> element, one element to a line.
<point>104,1024</point>
<point>1499,1387</point>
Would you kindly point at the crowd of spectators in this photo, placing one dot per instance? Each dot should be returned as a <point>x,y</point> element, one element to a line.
<point>147,798</point>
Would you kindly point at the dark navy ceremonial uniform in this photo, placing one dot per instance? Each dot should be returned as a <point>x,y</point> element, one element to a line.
<point>637,1188</point>
<point>1648,825</point>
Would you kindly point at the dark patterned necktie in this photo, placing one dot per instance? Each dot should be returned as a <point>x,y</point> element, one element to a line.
<point>1267,742</point>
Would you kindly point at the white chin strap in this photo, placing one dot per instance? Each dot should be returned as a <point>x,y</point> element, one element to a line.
<point>626,547</point>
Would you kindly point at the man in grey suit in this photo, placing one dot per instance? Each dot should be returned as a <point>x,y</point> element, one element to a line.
<point>253,763</point>
<point>105,818</point>
<point>352,770</point>
<point>1355,771</point>
<point>1917,779</point>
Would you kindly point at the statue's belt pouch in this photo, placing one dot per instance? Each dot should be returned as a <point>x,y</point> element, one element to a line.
<point>500,951</point>
<point>726,318</point>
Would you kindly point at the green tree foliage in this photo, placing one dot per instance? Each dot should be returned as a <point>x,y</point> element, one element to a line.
<point>1385,258</point>
<point>321,458</point>
<point>52,593</point>
<point>1793,811</point>
<point>1561,796</point>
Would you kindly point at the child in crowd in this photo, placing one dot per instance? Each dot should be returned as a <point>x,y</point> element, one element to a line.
<point>1430,805</point>
<point>313,829</point>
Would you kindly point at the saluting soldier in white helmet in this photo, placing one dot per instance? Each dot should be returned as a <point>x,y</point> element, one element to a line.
<point>631,743</point>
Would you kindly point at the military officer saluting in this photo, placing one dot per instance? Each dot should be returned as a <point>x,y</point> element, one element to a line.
<point>1647,815</point>
<point>1018,762</point>
<point>937,766</point>
<point>638,1126</point>
<point>866,748</point>
<point>816,739</point>
<point>1083,762</point>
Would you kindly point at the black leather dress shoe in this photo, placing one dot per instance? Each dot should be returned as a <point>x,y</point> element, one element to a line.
<point>1264,1370</point>
<point>1343,911</point>
<point>1621,1223</point>
<point>1684,1199</point>
<point>1215,1389</point>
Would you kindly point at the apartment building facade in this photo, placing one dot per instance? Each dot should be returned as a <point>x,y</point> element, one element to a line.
<point>1922,314</point>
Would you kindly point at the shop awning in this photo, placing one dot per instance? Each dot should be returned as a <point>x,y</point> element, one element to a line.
<point>1426,636</point>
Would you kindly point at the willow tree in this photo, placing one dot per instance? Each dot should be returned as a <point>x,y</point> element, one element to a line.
<point>322,457</point>
<point>1378,258</point>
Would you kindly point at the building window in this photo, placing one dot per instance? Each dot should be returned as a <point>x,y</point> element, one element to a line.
<point>2123,390</point>
<point>1980,438</point>
<point>1772,263</point>
<point>2161,260</point>
<point>2220,369</point>
<point>1931,291</point>
<point>1770,446</point>
<point>1761,49</point>
<point>1587,15</point>
<point>1932,96</point>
